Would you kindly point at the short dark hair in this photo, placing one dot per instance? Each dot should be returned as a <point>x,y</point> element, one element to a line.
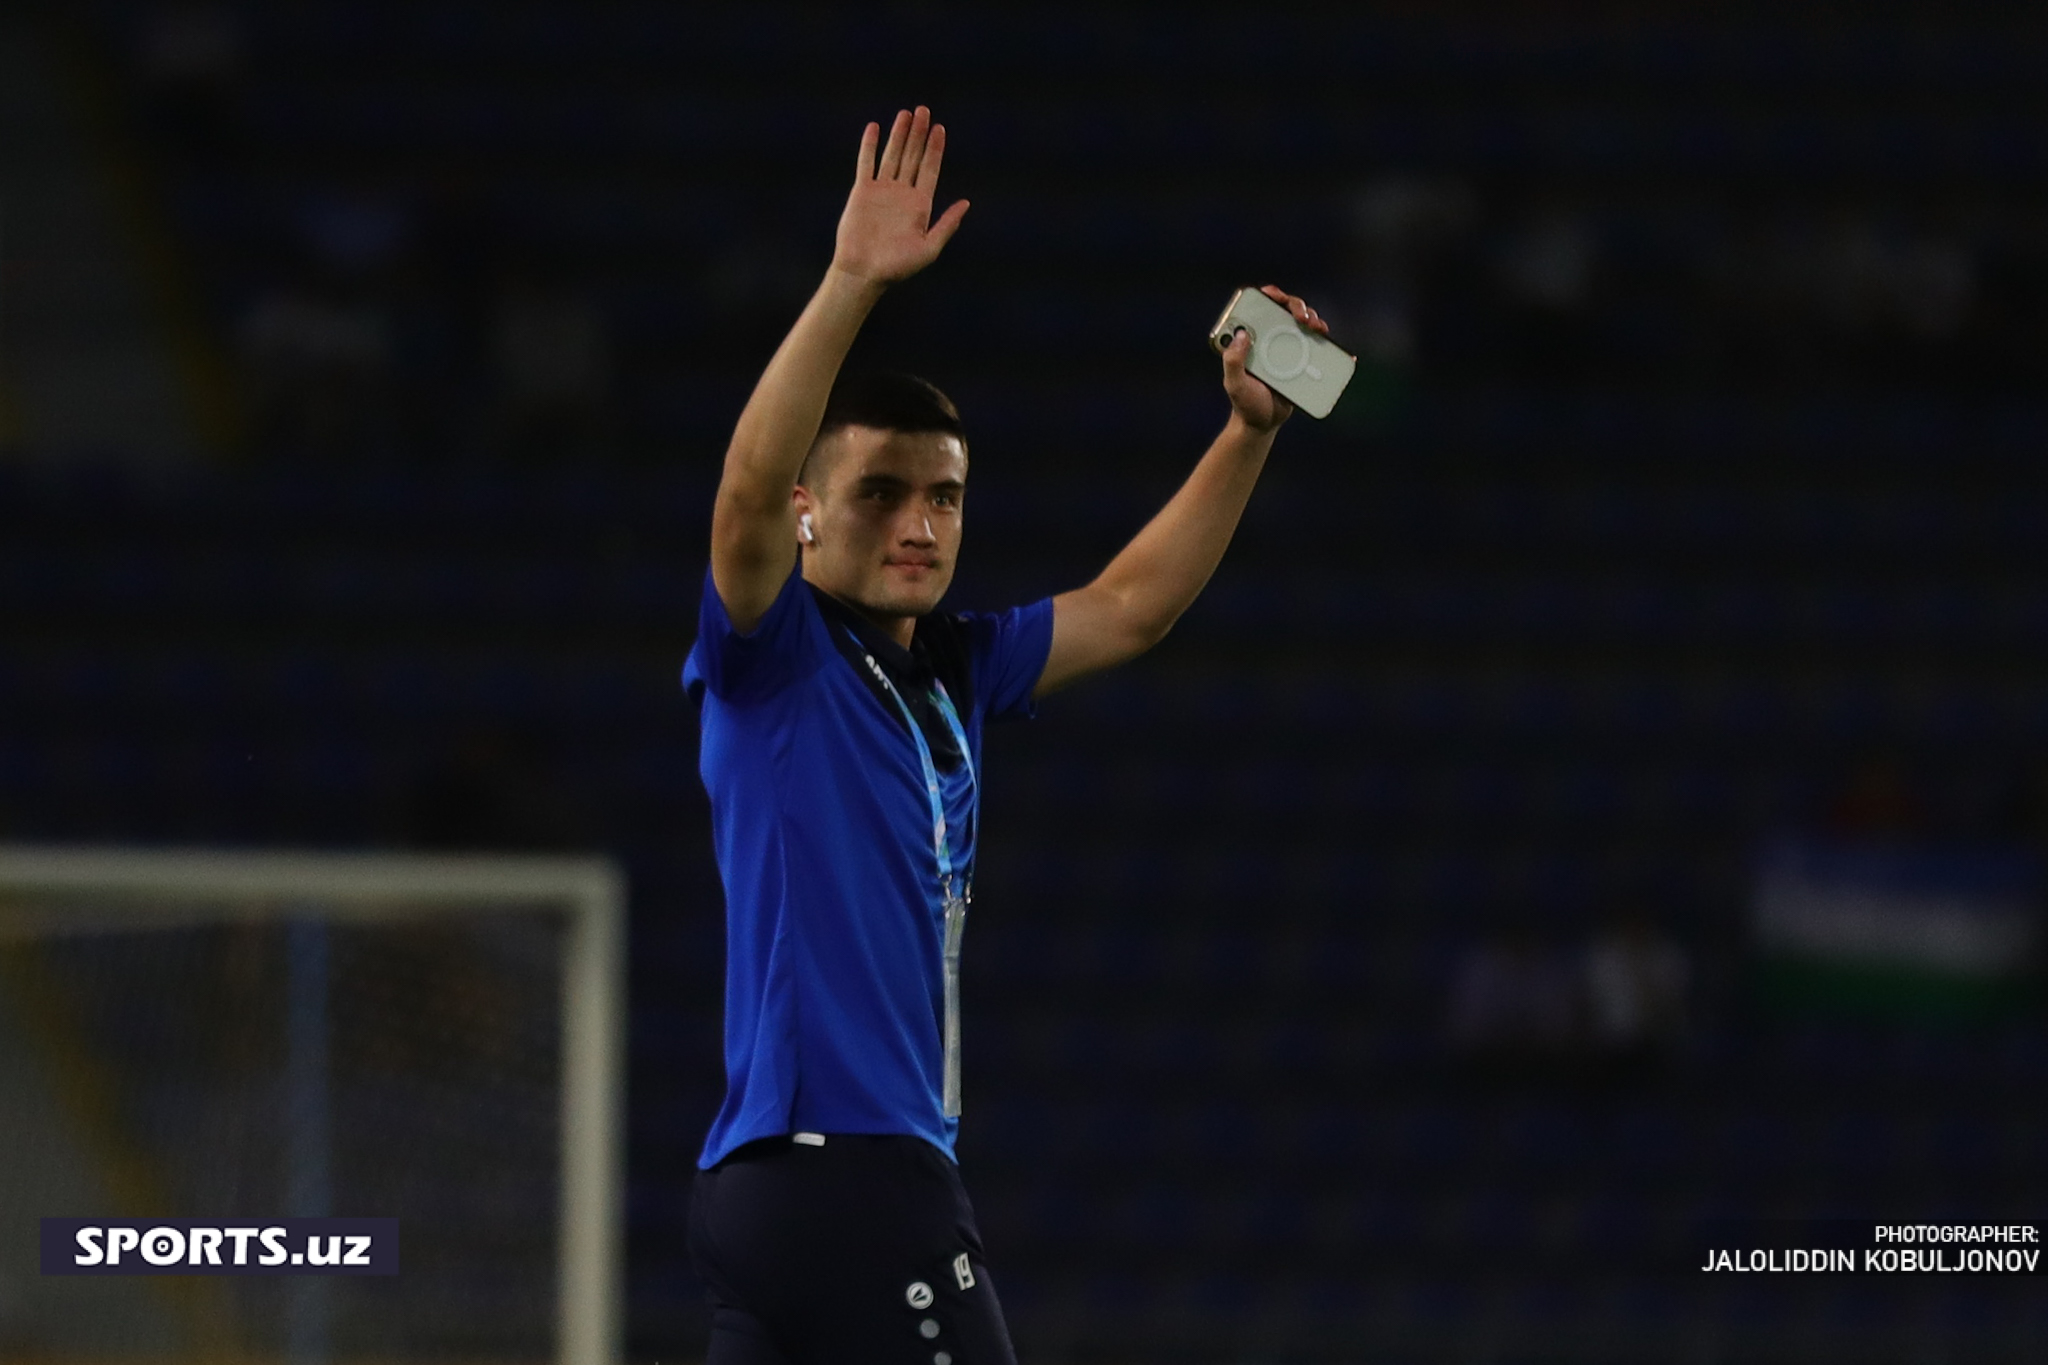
<point>886,401</point>
<point>890,402</point>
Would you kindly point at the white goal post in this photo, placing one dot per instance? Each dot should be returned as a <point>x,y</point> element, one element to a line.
<point>67,890</point>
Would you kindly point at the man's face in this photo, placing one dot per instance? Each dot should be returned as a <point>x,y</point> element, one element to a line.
<point>886,514</point>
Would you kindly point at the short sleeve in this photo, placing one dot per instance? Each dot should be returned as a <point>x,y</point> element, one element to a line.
<point>1009,650</point>
<point>735,667</point>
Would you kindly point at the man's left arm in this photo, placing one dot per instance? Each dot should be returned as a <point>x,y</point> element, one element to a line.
<point>1133,603</point>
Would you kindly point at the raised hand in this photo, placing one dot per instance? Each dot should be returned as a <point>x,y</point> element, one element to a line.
<point>886,233</point>
<point>1260,408</point>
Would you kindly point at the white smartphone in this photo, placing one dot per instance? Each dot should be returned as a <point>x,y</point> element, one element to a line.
<point>1305,367</point>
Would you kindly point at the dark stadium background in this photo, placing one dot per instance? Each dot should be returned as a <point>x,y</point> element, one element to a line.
<point>1689,498</point>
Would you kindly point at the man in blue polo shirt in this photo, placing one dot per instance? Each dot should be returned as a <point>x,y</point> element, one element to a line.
<point>842,717</point>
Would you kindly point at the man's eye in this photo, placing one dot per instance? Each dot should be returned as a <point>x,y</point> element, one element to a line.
<point>945,499</point>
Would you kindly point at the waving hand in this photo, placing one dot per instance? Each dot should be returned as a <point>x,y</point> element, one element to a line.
<point>886,233</point>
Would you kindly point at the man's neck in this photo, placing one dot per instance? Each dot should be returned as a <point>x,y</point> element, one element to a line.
<point>898,628</point>
<point>901,629</point>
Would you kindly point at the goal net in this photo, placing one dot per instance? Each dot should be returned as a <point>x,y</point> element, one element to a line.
<point>249,1038</point>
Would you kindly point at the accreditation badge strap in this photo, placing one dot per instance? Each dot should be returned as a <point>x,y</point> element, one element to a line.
<point>955,905</point>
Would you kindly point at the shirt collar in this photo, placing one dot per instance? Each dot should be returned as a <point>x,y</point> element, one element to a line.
<point>911,665</point>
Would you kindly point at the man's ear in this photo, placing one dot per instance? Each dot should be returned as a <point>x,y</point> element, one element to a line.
<point>805,506</point>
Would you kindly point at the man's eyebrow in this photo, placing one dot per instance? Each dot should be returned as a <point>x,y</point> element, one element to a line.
<point>879,482</point>
<point>947,486</point>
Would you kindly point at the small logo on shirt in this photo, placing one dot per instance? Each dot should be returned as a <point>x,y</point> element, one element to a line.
<point>963,1272</point>
<point>919,1295</point>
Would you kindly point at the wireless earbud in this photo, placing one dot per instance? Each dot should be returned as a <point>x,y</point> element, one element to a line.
<point>804,529</point>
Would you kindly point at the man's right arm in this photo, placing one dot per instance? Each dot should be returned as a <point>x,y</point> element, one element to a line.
<point>753,531</point>
<point>886,234</point>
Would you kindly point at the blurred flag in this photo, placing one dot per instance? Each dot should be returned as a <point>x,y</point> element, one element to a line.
<point>1896,927</point>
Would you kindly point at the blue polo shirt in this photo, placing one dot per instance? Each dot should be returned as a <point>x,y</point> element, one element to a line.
<point>822,823</point>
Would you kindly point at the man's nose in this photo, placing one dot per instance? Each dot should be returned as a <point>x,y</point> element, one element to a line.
<point>917,529</point>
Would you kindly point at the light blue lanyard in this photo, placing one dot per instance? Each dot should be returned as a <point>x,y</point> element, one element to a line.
<point>953,908</point>
<point>931,772</point>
